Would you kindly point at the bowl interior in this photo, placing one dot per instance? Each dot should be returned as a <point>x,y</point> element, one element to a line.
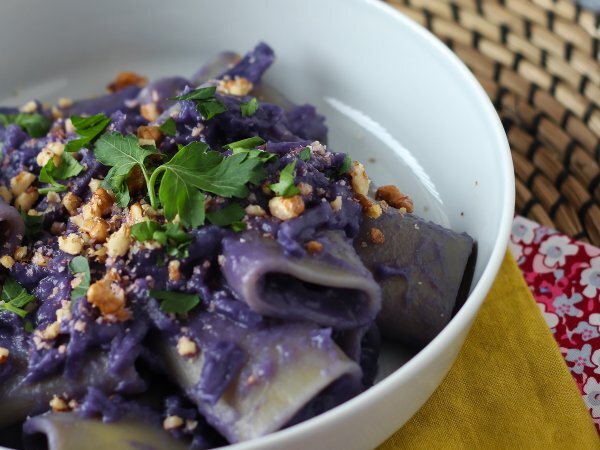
<point>393,98</point>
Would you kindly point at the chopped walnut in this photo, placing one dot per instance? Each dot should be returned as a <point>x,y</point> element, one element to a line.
<point>59,405</point>
<point>360,179</point>
<point>97,228</point>
<point>238,86</point>
<point>53,198</point>
<point>371,209</point>
<point>71,202</point>
<point>305,189</point>
<point>314,247</point>
<point>7,261</point>
<point>64,102</point>
<point>20,253</point>
<point>149,111</point>
<point>150,133</point>
<point>6,194</point>
<point>124,79</point>
<point>52,331</point>
<point>52,151</point>
<point>136,214</point>
<point>109,298</point>
<point>376,236</point>
<point>172,422</point>
<point>71,244</point>
<point>21,182</point>
<point>336,204</point>
<point>80,326</point>
<point>186,347</point>
<point>58,228</point>
<point>118,243</point>
<point>39,259</point>
<point>393,197</point>
<point>29,107</point>
<point>4,354</point>
<point>255,210</point>
<point>285,208</point>
<point>27,199</point>
<point>101,202</point>
<point>174,273</point>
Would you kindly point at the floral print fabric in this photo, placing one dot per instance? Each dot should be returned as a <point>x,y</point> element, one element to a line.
<point>564,277</point>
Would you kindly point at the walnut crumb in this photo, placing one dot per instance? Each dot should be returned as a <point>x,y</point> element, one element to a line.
<point>172,422</point>
<point>393,197</point>
<point>7,261</point>
<point>186,347</point>
<point>336,204</point>
<point>52,331</point>
<point>174,273</point>
<point>149,111</point>
<point>151,133</point>
<point>285,208</point>
<point>109,298</point>
<point>4,354</point>
<point>255,210</point>
<point>371,209</point>
<point>59,405</point>
<point>124,79</point>
<point>360,179</point>
<point>376,236</point>
<point>238,86</point>
<point>314,247</point>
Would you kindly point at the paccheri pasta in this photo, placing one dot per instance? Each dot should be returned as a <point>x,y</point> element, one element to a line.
<point>186,264</point>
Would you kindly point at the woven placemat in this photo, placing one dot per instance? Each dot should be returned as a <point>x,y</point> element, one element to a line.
<point>538,60</point>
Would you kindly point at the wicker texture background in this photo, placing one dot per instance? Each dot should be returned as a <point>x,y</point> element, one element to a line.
<point>538,60</point>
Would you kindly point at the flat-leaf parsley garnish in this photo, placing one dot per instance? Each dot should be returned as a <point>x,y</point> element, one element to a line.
<point>15,298</point>
<point>248,109</point>
<point>345,167</point>
<point>79,266</point>
<point>175,302</point>
<point>87,128</point>
<point>250,146</point>
<point>305,154</point>
<point>171,235</point>
<point>206,102</point>
<point>69,167</point>
<point>169,127</point>
<point>36,125</point>
<point>33,225</point>
<point>286,187</point>
<point>226,216</point>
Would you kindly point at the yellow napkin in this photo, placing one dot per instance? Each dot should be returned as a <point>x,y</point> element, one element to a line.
<point>509,388</point>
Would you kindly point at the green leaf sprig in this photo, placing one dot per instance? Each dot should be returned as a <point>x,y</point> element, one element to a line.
<point>169,127</point>
<point>286,187</point>
<point>33,225</point>
<point>248,109</point>
<point>36,125</point>
<point>206,102</point>
<point>170,235</point>
<point>69,167</point>
<point>182,180</point>
<point>87,128</point>
<point>15,298</point>
<point>80,266</point>
<point>175,302</point>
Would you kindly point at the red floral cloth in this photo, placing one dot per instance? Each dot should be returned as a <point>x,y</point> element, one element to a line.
<point>564,277</point>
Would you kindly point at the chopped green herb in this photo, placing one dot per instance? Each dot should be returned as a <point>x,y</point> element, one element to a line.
<point>123,153</point>
<point>80,266</point>
<point>87,128</point>
<point>15,298</point>
<point>257,153</point>
<point>207,104</point>
<point>305,154</point>
<point>226,216</point>
<point>28,327</point>
<point>69,167</point>
<point>245,144</point>
<point>286,187</point>
<point>238,226</point>
<point>175,302</point>
<point>346,165</point>
<point>36,125</point>
<point>169,127</point>
<point>248,109</point>
<point>170,235</point>
<point>33,225</point>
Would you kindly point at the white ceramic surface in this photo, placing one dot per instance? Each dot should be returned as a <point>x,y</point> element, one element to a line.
<point>385,85</point>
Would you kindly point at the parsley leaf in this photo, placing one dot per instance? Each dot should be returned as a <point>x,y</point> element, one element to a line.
<point>346,165</point>
<point>286,187</point>
<point>123,153</point>
<point>88,128</point>
<point>245,144</point>
<point>14,298</point>
<point>248,109</point>
<point>175,302</point>
<point>305,154</point>
<point>170,235</point>
<point>33,225</point>
<point>79,265</point>
<point>69,167</point>
<point>238,226</point>
<point>169,127</point>
<point>207,104</point>
<point>36,125</point>
<point>226,216</point>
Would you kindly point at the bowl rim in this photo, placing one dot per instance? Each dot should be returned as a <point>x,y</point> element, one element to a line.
<point>474,301</point>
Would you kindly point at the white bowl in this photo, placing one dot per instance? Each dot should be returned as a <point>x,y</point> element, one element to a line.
<point>368,69</point>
